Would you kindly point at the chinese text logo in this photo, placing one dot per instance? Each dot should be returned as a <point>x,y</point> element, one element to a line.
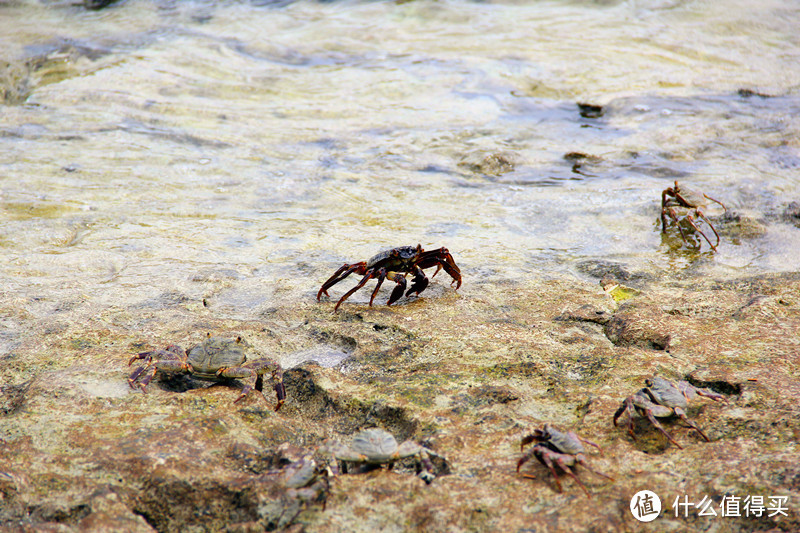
<point>645,506</point>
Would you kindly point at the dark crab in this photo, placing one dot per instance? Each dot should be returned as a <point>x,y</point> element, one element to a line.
<point>662,398</point>
<point>374,446</point>
<point>304,482</point>
<point>394,264</point>
<point>554,447</point>
<point>215,359</point>
<point>681,203</point>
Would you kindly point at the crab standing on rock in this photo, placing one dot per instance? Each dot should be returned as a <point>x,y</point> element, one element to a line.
<point>554,447</point>
<point>682,203</point>
<point>373,447</point>
<point>394,264</point>
<point>662,398</point>
<point>305,483</point>
<point>215,359</point>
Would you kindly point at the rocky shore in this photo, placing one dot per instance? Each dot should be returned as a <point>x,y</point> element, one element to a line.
<point>464,373</point>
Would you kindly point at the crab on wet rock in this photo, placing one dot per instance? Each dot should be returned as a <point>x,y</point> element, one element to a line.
<point>662,398</point>
<point>394,264</point>
<point>682,204</point>
<point>215,359</point>
<point>374,447</point>
<point>554,447</point>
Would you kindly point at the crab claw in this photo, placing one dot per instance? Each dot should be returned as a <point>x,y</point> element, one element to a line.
<point>280,392</point>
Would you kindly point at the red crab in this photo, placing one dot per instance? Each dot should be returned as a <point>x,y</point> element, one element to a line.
<point>682,204</point>
<point>394,264</point>
<point>565,449</point>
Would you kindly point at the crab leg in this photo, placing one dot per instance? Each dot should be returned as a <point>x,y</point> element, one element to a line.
<point>564,461</point>
<point>689,392</point>
<point>649,414</point>
<point>140,356</point>
<point>544,457</point>
<point>146,380</point>
<point>248,388</point>
<point>626,407</point>
<point>135,375</point>
<point>451,268</point>
<point>164,365</point>
<point>664,212</point>
<point>332,281</point>
<point>585,441</point>
<point>361,283</point>
<point>419,282</point>
<point>425,459</point>
<point>582,461</point>
<point>710,225</point>
<point>380,278</point>
<point>674,217</point>
<point>715,200</point>
<point>255,371</point>
<point>172,351</point>
<point>277,386</point>
<point>400,279</point>
<point>533,437</point>
<point>426,470</point>
<point>441,258</point>
<point>690,220</point>
<point>525,458</point>
<point>173,359</point>
<point>344,271</point>
<point>681,413</point>
<point>665,201</point>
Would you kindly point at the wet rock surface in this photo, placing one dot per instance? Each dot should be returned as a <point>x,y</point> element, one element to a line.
<point>465,374</point>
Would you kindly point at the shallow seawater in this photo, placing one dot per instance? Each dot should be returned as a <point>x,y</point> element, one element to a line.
<point>159,152</point>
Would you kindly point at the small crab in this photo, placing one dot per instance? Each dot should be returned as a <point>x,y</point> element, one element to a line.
<point>304,483</point>
<point>556,447</point>
<point>681,203</point>
<point>394,264</point>
<point>215,359</point>
<point>372,447</point>
<point>663,398</point>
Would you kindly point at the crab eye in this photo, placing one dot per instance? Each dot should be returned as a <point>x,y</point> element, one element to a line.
<point>648,382</point>
<point>238,340</point>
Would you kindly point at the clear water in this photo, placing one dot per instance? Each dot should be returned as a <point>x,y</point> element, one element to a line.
<point>157,152</point>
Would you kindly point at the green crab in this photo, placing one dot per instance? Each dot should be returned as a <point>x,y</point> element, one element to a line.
<point>662,398</point>
<point>373,447</point>
<point>215,359</point>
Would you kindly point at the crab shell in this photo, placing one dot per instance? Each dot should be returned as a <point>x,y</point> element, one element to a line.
<point>666,393</point>
<point>402,255</point>
<point>564,442</point>
<point>687,197</point>
<point>375,446</point>
<point>215,353</point>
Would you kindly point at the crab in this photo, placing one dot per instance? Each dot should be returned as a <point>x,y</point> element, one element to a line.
<point>681,203</point>
<point>662,398</point>
<point>554,447</point>
<point>215,359</point>
<point>304,482</point>
<point>394,264</point>
<point>373,447</point>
